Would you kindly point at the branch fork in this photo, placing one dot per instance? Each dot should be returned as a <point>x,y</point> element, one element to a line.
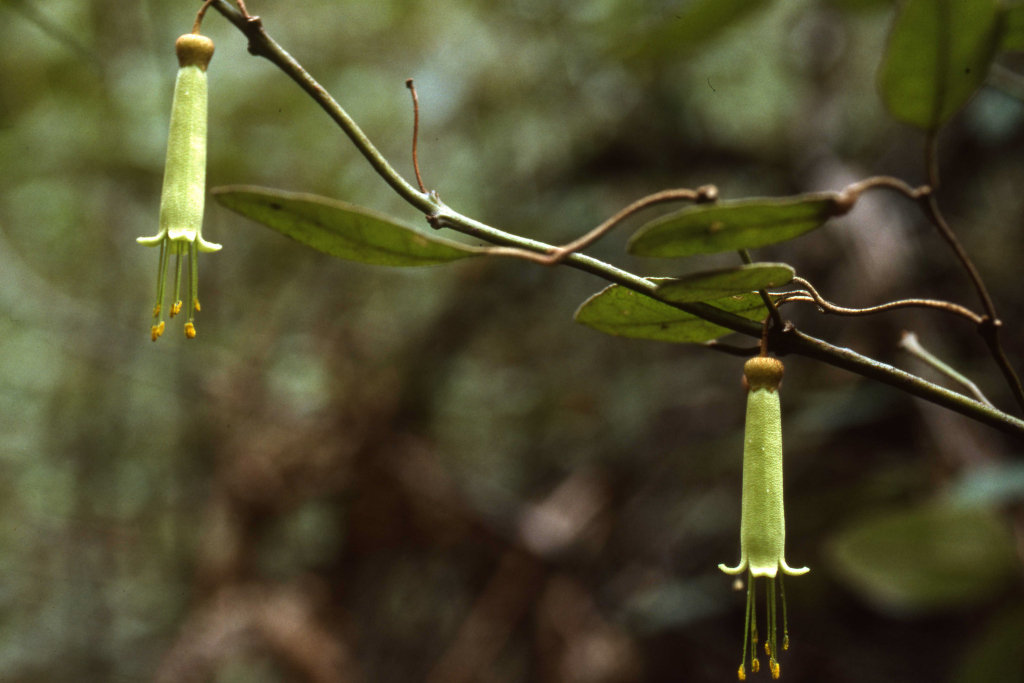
<point>790,340</point>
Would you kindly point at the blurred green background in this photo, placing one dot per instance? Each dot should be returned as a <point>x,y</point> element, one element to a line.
<point>356,473</point>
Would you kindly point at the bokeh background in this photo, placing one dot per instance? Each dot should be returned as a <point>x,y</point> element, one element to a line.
<point>363,474</point>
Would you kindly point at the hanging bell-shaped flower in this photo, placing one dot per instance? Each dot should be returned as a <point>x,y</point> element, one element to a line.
<point>184,191</point>
<point>762,520</point>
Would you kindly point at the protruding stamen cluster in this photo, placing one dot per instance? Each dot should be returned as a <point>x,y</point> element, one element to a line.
<point>750,628</point>
<point>179,249</point>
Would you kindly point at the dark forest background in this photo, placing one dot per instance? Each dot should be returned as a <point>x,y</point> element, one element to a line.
<point>367,474</point>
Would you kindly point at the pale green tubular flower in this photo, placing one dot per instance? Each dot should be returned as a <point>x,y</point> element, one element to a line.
<point>763,522</point>
<point>184,192</point>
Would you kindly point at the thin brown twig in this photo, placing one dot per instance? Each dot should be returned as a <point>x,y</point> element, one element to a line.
<point>989,326</point>
<point>242,9</point>
<point>415,132</point>
<point>910,343</point>
<point>811,294</point>
<point>198,23</point>
<point>705,193</point>
<point>851,193</point>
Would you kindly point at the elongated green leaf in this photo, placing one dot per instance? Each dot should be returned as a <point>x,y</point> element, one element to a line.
<point>624,313</point>
<point>926,558</point>
<point>1013,32</point>
<point>939,54</point>
<point>715,284</point>
<point>339,229</point>
<point>732,225</point>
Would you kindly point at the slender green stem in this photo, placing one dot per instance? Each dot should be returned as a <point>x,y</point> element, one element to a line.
<point>911,345</point>
<point>793,341</point>
<point>593,266</point>
<point>788,339</point>
<point>262,45</point>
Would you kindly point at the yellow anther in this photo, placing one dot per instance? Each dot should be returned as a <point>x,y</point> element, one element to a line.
<point>156,331</point>
<point>755,665</point>
<point>776,669</point>
<point>768,648</point>
<point>190,330</point>
<point>196,304</point>
<point>785,643</point>
<point>156,311</point>
<point>741,674</point>
<point>176,308</point>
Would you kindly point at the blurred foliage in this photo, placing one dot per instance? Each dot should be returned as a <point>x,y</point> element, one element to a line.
<point>359,472</point>
<point>938,55</point>
<point>927,558</point>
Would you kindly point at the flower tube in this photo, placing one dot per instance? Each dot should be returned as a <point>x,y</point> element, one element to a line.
<point>184,190</point>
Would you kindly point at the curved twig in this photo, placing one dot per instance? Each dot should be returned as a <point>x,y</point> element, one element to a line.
<point>198,23</point>
<point>705,193</point>
<point>415,132</point>
<point>811,294</point>
<point>851,193</point>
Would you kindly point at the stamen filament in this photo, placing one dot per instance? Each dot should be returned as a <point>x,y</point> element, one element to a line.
<point>193,280</point>
<point>193,284</point>
<point>176,306</point>
<point>754,663</point>
<point>161,278</point>
<point>772,629</point>
<point>160,274</point>
<point>785,618</point>
<point>746,635</point>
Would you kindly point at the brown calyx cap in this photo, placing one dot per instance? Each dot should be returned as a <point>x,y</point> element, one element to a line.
<point>763,372</point>
<point>194,50</point>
